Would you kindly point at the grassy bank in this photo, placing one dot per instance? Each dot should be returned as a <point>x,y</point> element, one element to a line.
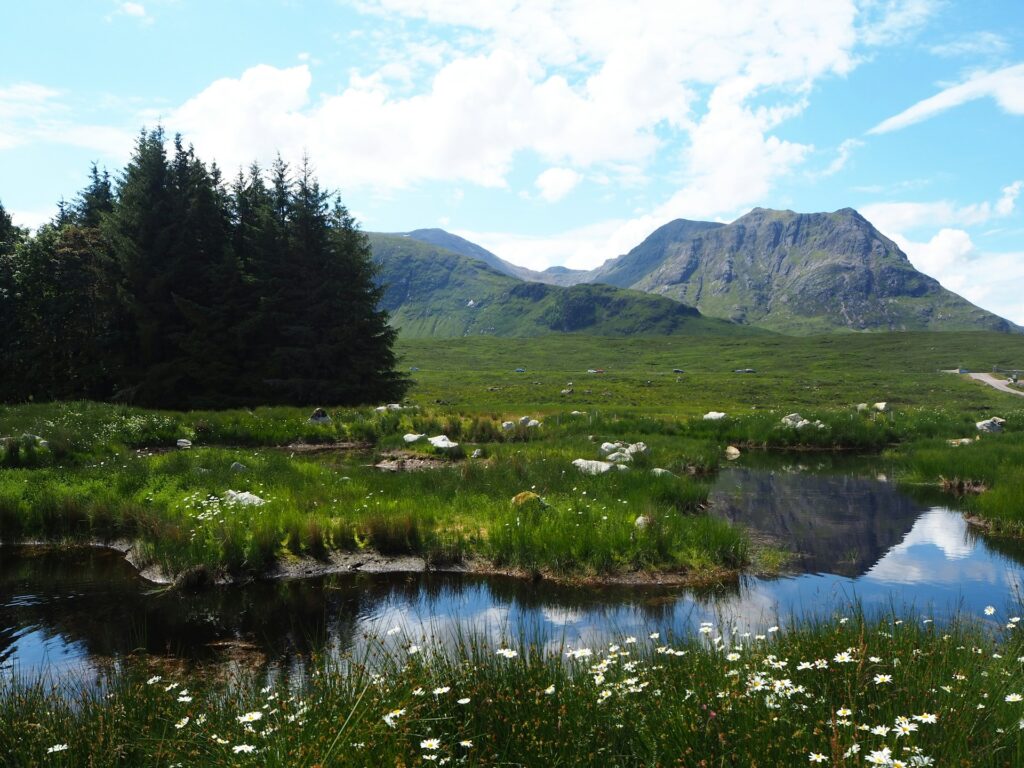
<point>894,692</point>
<point>112,472</point>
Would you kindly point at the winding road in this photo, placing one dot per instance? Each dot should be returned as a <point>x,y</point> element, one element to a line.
<point>992,381</point>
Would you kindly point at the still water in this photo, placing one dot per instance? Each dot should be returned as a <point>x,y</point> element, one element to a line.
<point>855,538</point>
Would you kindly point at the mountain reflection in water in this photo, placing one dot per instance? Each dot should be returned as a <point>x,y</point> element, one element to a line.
<point>855,538</point>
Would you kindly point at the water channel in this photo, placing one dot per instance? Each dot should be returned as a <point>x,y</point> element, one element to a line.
<point>856,537</point>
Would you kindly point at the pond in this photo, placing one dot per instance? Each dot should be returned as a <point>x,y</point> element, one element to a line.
<point>855,537</point>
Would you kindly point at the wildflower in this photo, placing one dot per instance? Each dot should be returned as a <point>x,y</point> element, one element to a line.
<point>732,657</point>
<point>817,757</point>
<point>549,690</point>
<point>880,730</point>
<point>442,689</point>
<point>629,640</point>
<point>390,717</point>
<point>394,631</point>
<point>56,748</point>
<point>430,744</point>
<point>654,635</point>
<point>843,657</point>
<point>927,717</point>
<point>1014,697</point>
<point>182,723</point>
<point>508,653</point>
<point>246,748</point>
<point>883,679</point>
<point>154,680</point>
<point>418,692</point>
<point>184,699</point>
<point>250,717</point>
<point>989,610</point>
<point>881,756</point>
<point>464,701</point>
<point>412,650</point>
<point>905,729</point>
<point>467,743</point>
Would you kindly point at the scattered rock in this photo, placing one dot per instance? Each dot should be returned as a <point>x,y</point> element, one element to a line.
<point>642,521</point>
<point>993,425</point>
<point>659,472</point>
<point>590,467</point>
<point>183,444</point>
<point>881,407</point>
<point>525,420</point>
<point>526,497</point>
<point>578,413</point>
<point>793,419</point>
<point>714,416</point>
<point>957,442</point>
<point>442,443</point>
<point>411,437</point>
<point>566,391</point>
<point>732,453</point>
<point>508,425</point>
<point>861,407</point>
<point>477,454</point>
<point>394,406</point>
<point>244,498</point>
<point>635,449</point>
<point>319,417</point>
<point>532,424</point>
<point>607,448</point>
<point>237,466</point>
<point>620,457</point>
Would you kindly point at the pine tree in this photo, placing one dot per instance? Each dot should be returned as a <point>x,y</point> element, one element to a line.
<point>95,201</point>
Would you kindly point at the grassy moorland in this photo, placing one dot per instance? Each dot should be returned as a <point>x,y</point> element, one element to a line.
<point>112,473</point>
<point>895,691</point>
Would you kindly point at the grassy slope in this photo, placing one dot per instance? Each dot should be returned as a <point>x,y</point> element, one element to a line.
<point>429,291</point>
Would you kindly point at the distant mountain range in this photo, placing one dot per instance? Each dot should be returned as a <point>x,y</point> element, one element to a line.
<point>432,291</point>
<point>776,270</point>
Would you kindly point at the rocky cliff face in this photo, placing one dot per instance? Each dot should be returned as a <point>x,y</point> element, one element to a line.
<point>795,273</point>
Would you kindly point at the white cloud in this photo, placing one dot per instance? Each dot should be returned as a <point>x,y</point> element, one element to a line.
<point>133,9</point>
<point>555,183</point>
<point>904,216</point>
<point>32,219</point>
<point>842,157</point>
<point>990,280</point>
<point>973,44</point>
<point>1005,85</point>
<point>576,83</point>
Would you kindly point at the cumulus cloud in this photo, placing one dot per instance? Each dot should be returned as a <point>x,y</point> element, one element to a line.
<point>989,279</point>
<point>903,216</point>
<point>842,157</point>
<point>555,183</point>
<point>575,83</point>
<point>1005,86</point>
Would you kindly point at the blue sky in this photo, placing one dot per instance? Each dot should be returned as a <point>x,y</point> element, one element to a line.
<point>554,131</point>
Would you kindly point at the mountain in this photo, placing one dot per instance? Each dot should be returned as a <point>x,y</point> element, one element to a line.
<point>433,291</point>
<point>794,273</point>
<point>463,247</point>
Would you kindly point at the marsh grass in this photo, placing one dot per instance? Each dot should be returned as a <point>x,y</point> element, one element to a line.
<point>846,689</point>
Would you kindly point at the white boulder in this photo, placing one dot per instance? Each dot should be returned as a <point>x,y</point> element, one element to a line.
<point>508,425</point>
<point>591,467</point>
<point>637,449</point>
<point>442,443</point>
<point>532,424</point>
<point>619,457</point>
<point>412,437</point>
<point>642,521</point>
<point>243,498</point>
<point>881,407</point>
<point>993,425</point>
<point>732,453</point>
<point>659,472</point>
<point>525,420</point>
<point>607,448</point>
<point>714,416</point>
<point>183,443</point>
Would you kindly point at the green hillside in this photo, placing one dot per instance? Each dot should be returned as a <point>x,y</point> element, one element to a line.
<point>433,292</point>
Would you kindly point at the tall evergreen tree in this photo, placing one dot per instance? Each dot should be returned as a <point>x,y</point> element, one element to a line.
<point>95,201</point>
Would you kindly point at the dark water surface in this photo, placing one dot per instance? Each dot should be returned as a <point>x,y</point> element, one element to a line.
<point>855,538</point>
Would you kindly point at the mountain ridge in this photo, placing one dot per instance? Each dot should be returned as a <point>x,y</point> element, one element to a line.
<point>780,270</point>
